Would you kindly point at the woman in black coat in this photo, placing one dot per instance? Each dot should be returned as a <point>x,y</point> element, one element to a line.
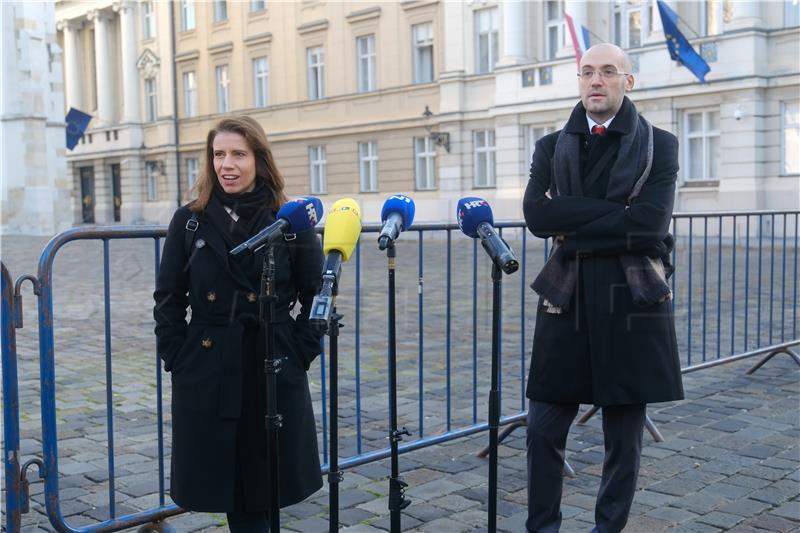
<point>219,458</point>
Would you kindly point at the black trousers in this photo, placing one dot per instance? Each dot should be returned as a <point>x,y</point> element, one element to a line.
<point>548,425</point>
<point>244,522</point>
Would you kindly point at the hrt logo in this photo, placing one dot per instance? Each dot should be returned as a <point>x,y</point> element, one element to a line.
<point>312,213</point>
<point>474,203</point>
<point>401,198</point>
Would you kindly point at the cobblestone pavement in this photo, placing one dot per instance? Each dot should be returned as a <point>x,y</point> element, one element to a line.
<point>731,459</point>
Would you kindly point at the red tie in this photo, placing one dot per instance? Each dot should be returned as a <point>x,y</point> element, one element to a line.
<point>598,130</point>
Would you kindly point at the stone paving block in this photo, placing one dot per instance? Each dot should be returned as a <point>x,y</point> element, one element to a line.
<point>309,525</point>
<point>759,451</point>
<point>434,489</point>
<point>790,510</point>
<point>745,507</point>
<point>647,524</point>
<point>440,525</point>
<point>672,514</point>
<point>651,498</point>
<point>360,528</point>
<point>454,503</point>
<point>354,516</point>
<point>677,487</point>
<point>720,519</point>
<point>701,502</point>
<point>776,493</point>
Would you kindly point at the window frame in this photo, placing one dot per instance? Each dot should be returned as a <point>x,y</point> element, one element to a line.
<point>255,3</point>
<point>368,166</point>
<point>260,81</point>
<point>151,168</point>
<point>784,128</point>
<point>705,134</point>
<point>492,39</point>
<point>558,24</point>
<point>419,47</point>
<point>223,85</point>
<point>148,20</point>
<point>318,161</point>
<point>190,103</point>
<point>192,173</point>
<point>427,157</point>
<point>366,63</point>
<point>490,158</point>
<point>719,13</point>
<point>188,15</point>
<point>151,99</point>
<point>220,11</point>
<point>315,72</point>
<point>790,12</point>
<point>621,30</point>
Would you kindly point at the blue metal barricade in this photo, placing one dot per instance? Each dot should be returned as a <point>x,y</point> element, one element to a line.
<point>10,407</point>
<point>443,302</point>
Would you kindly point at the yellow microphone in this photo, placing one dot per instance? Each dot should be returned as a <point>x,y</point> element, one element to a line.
<point>342,229</point>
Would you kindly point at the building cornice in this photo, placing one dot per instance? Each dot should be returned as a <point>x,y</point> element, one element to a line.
<point>314,25</point>
<point>414,4</point>
<point>259,38</point>
<point>364,14</point>
<point>187,56</point>
<point>220,48</point>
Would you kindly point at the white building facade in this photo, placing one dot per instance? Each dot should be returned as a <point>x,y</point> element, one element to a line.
<point>341,89</point>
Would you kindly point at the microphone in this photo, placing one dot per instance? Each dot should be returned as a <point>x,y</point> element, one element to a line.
<point>475,220</point>
<point>296,216</point>
<point>397,215</point>
<point>342,229</point>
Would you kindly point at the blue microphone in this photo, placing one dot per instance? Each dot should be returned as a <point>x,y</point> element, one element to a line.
<point>476,220</point>
<point>397,215</point>
<point>296,216</point>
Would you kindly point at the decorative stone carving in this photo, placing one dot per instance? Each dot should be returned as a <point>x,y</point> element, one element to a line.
<point>148,64</point>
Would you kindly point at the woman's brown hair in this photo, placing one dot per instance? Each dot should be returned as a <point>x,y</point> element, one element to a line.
<point>266,170</point>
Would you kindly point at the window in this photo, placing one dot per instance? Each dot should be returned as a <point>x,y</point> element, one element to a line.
<point>151,99</point>
<point>223,89</point>
<point>368,166</point>
<point>152,180</point>
<point>220,10</point>
<point>148,20</point>
<point>484,158</point>
<point>486,45</point>
<point>425,163</point>
<point>260,82</point>
<point>631,22</point>
<point>257,5</point>
<point>702,157</point>
<point>790,137</point>
<point>534,134</point>
<point>365,49</point>
<point>554,24</point>
<point>318,169</point>
<point>189,94</point>
<point>187,15</point>
<point>791,13</point>
<point>192,170</point>
<point>422,41</point>
<point>316,73</point>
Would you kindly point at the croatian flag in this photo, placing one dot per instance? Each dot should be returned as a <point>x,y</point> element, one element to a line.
<point>580,37</point>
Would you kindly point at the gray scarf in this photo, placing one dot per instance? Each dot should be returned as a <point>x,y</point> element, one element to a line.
<point>645,276</point>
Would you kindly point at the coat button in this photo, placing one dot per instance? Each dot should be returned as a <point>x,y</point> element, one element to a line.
<point>211,296</point>
<point>207,343</point>
<point>251,297</point>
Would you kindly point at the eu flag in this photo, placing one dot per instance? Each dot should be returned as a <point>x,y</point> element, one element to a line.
<point>679,48</point>
<point>77,122</point>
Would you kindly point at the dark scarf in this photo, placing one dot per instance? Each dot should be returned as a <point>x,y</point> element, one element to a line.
<point>646,276</point>
<point>254,215</point>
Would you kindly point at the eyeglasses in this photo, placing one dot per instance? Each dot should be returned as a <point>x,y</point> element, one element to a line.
<point>605,73</point>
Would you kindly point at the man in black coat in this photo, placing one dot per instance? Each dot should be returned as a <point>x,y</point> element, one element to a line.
<point>603,188</point>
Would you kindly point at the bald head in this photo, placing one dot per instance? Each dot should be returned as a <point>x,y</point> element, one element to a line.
<point>608,52</point>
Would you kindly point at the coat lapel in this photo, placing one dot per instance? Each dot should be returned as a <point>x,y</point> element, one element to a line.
<point>214,240</point>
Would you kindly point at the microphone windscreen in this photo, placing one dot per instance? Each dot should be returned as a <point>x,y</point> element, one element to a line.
<point>342,228</point>
<point>399,203</point>
<point>471,212</point>
<point>301,213</point>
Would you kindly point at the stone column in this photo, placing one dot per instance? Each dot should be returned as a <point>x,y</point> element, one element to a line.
<point>130,77</point>
<point>73,65</point>
<point>513,29</point>
<point>745,15</point>
<point>104,70</point>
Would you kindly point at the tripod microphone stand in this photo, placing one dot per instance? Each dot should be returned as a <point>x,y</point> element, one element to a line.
<point>397,487</point>
<point>494,397</point>
<point>272,365</point>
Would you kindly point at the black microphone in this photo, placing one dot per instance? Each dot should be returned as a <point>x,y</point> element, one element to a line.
<point>476,220</point>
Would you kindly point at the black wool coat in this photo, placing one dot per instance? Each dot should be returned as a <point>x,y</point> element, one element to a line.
<point>604,350</point>
<point>216,364</point>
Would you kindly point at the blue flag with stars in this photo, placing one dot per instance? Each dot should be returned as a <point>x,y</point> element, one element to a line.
<point>77,121</point>
<point>679,48</point>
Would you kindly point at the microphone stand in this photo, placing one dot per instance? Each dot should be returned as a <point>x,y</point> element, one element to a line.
<point>334,475</point>
<point>494,397</point>
<point>397,487</point>
<point>272,365</point>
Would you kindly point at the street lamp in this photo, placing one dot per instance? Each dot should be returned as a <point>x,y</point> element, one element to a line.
<point>439,137</point>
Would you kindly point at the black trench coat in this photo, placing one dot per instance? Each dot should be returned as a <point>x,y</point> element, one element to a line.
<point>216,364</point>
<point>604,350</point>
